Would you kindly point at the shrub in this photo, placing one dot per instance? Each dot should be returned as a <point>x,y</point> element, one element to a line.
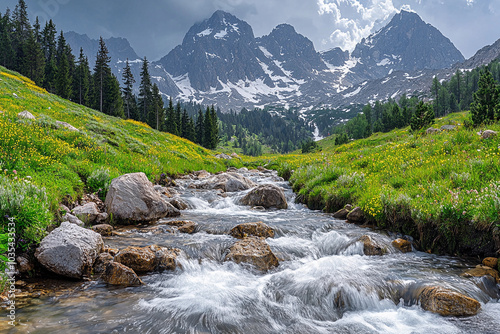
<point>99,181</point>
<point>27,205</point>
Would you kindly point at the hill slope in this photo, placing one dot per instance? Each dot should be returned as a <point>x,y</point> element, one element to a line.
<point>61,160</point>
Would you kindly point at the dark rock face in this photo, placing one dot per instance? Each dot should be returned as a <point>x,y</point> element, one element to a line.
<point>335,56</point>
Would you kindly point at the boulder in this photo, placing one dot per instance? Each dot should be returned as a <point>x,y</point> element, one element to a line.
<point>87,198</point>
<point>178,203</point>
<point>102,218</point>
<point>166,258</point>
<point>481,271</point>
<point>258,229</point>
<point>26,115</point>
<point>87,213</point>
<point>356,216</point>
<point>228,182</point>
<point>68,217</point>
<point>266,195</point>
<point>488,134</point>
<point>255,251</point>
<point>448,127</point>
<point>118,274</point>
<point>131,199</point>
<point>67,126</point>
<point>341,214</point>
<point>70,250</point>
<point>183,226</point>
<point>348,207</point>
<point>140,259</point>
<point>162,190</point>
<point>431,130</point>
<point>150,258</point>
<point>111,251</point>
<point>491,262</point>
<point>447,302</point>
<point>223,156</point>
<point>370,247</point>
<point>235,155</point>
<point>403,245</point>
<point>101,263</point>
<point>103,229</point>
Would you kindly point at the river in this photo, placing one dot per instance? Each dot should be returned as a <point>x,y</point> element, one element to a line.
<point>324,283</point>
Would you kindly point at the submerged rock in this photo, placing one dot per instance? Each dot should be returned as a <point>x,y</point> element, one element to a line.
<point>370,247</point>
<point>266,195</point>
<point>119,274</point>
<point>132,199</point>
<point>447,302</point>
<point>258,229</point>
<point>228,182</point>
<point>480,271</point>
<point>183,226</point>
<point>403,245</point>
<point>254,251</point>
<point>70,250</point>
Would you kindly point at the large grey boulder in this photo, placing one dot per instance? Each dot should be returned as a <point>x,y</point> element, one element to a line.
<point>26,115</point>
<point>228,182</point>
<point>87,213</point>
<point>67,126</point>
<point>132,199</point>
<point>267,196</point>
<point>70,250</point>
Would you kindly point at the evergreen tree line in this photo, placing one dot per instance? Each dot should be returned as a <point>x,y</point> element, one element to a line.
<point>457,93</point>
<point>44,56</point>
<point>252,129</point>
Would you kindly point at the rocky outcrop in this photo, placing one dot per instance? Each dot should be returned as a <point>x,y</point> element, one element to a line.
<point>70,250</point>
<point>488,134</point>
<point>66,126</point>
<point>370,247</point>
<point>103,229</point>
<point>258,229</point>
<point>147,259</point>
<point>183,226</point>
<point>228,182</point>
<point>87,213</point>
<point>119,274</point>
<point>481,271</point>
<point>26,115</point>
<point>431,131</point>
<point>131,199</point>
<point>356,216</point>
<point>403,245</point>
<point>267,196</point>
<point>447,302</point>
<point>254,251</point>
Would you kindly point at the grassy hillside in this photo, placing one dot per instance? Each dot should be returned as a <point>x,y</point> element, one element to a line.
<point>38,155</point>
<point>443,189</point>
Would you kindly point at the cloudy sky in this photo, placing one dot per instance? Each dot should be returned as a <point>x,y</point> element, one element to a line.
<point>155,27</point>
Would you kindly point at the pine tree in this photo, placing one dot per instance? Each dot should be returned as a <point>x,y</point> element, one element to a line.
<point>171,125</point>
<point>178,119</point>
<point>214,136</point>
<point>486,100</point>
<point>191,132</point>
<point>49,48</point>
<point>127,91</point>
<point>63,76</point>
<point>102,72</point>
<point>7,54</point>
<point>81,80</point>
<point>145,91</point>
<point>157,117</point>
<point>33,65</point>
<point>184,124</point>
<point>423,117</point>
<point>113,102</point>
<point>199,128</point>
<point>21,33</point>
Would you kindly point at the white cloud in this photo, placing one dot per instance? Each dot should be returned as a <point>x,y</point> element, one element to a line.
<point>470,2</point>
<point>355,19</point>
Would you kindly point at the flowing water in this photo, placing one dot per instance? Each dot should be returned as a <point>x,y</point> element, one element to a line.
<point>324,283</point>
